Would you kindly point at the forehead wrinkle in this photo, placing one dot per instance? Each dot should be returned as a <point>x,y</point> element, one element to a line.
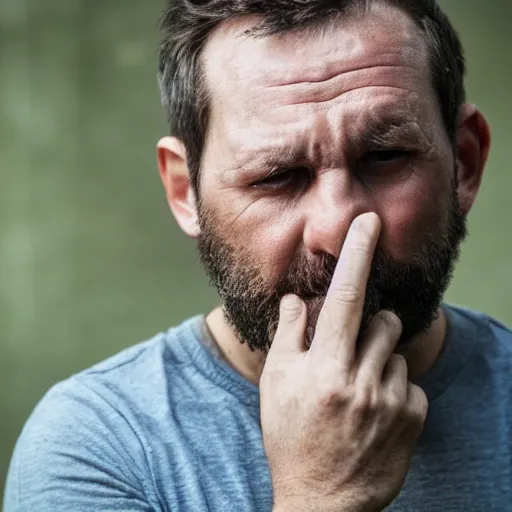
<point>330,77</point>
<point>337,43</point>
<point>275,54</point>
<point>326,99</point>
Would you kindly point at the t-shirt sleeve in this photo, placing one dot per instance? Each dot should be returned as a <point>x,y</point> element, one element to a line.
<point>77,453</point>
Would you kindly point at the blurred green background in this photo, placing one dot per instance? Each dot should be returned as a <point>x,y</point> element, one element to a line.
<point>91,260</point>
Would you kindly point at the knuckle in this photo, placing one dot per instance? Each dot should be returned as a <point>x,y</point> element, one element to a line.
<point>391,321</point>
<point>348,293</point>
<point>418,407</point>
<point>422,407</point>
<point>398,361</point>
<point>291,306</point>
<point>365,399</point>
<point>275,374</point>
<point>331,395</point>
<point>329,399</point>
<point>362,247</point>
<point>395,404</point>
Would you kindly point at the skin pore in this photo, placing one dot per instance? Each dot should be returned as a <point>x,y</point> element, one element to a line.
<point>307,131</point>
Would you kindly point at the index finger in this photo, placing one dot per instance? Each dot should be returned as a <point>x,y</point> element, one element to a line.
<point>340,318</point>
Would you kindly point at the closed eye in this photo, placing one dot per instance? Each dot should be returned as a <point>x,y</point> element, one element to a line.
<point>286,179</point>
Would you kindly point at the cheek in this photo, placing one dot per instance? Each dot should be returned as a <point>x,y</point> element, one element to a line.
<point>408,217</point>
<point>270,236</point>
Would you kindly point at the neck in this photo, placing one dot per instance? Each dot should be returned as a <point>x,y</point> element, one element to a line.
<point>421,352</point>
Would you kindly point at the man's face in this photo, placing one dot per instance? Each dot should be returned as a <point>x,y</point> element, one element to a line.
<point>307,131</point>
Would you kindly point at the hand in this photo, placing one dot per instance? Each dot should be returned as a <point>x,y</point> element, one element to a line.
<point>339,421</point>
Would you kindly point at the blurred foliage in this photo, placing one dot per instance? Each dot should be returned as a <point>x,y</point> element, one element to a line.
<point>91,260</point>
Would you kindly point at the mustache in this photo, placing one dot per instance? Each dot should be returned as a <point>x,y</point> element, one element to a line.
<point>308,278</point>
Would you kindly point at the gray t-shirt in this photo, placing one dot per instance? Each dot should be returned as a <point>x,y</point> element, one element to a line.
<point>167,426</point>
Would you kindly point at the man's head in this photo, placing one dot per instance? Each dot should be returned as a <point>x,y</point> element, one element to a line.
<point>288,119</point>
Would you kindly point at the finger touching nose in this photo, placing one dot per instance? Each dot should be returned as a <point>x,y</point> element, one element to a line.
<point>327,223</point>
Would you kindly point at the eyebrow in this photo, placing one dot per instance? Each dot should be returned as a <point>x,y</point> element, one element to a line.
<point>276,156</point>
<point>381,133</point>
<point>391,131</point>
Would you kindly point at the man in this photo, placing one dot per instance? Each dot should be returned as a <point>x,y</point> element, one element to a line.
<point>324,157</point>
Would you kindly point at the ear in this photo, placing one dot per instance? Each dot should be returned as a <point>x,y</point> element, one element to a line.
<point>174,173</point>
<point>473,144</point>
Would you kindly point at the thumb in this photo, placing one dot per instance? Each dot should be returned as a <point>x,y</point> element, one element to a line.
<point>291,330</point>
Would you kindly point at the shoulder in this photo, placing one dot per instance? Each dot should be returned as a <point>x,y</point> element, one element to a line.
<point>482,321</point>
<point>87,432</point>
<point>112,387</point>
<point>120,382</point>
<point>141,372</point>
<point>74,446</point>
<point>490,338</point>
<point>501,332</point>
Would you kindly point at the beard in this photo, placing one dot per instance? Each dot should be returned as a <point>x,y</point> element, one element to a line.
<point>412,290</point>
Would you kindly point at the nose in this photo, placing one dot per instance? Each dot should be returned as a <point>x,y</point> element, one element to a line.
<point>333,203</point>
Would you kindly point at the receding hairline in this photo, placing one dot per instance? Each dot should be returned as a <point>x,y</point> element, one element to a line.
<point>253,26</point>
<point>258,26</point>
